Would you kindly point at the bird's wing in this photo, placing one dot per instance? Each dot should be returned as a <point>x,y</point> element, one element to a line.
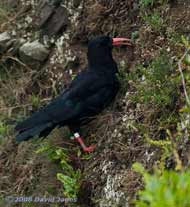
<point>68,105</point>
<point>99,92</point>
<point>87,84</point>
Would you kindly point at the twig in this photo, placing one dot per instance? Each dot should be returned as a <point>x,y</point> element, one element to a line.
<point>18,61</point>
<point>182,76</point>
<point>10,109</point>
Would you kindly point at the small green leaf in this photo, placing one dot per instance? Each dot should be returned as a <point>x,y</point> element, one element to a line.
<point>185,110</point>
<point>187,59</point>
<point>185,41</point>
<point>138,168</point>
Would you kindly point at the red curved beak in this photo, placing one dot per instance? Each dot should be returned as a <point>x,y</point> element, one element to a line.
<point>121,41</point>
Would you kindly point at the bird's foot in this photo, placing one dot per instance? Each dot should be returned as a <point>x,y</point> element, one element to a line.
<point>89,149</point>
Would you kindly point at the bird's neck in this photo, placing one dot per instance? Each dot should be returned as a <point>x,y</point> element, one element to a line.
<point>103,65</point>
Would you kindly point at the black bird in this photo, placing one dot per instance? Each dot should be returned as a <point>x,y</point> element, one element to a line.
<point>89,93</point>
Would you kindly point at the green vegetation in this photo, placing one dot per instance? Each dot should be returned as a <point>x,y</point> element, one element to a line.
<point>4,129</point>
<point>151,15</point>
<point>156,85</point>
<point>155,21</point>
<point>187,59</point>
<point>36,101</point>
<point>4,13</point>
<point>157,90</point>
<point>69,176</point>
<point>147,3</point>
<point>150,3</point>
<point>167,188</point>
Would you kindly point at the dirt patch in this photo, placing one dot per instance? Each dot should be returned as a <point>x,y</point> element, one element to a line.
<point>109,17</point>
<point>179,15</point>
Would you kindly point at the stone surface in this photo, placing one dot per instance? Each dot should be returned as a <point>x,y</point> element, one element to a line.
<point>45,12</point>
<point>14,50</point>
<point>76,3</point>
<point>4,41</point>
<point>33,53</point>
<point>58,22</point>
<point>52,20</point>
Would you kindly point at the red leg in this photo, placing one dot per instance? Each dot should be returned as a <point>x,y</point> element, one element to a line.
<point>84,147</point>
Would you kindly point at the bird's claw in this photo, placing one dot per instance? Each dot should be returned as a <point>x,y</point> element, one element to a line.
<point>81,142</point>
<point>89,149</point>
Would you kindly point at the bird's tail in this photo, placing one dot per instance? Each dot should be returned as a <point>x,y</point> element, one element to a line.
<point>42,130</point>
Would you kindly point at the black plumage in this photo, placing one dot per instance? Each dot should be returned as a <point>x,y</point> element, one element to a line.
<point>89,93</point>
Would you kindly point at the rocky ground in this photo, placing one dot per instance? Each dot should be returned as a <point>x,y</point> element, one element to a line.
<point>43,46</point>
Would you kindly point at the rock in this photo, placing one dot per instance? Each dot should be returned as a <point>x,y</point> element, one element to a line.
<point>55,3</point>
<point>52,20</point>
<point>33,53</point>
<point>76,3</point>
<point>58,22</point>
<point>4,41</point>
<point>14,50</point>
<point>45,12</point>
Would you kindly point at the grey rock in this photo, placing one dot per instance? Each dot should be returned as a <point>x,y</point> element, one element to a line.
<point>17,43</point>
<point>52,20</point>
<point>76,3</point>
<point>4,41</point>
<point>33,53</point>
<point>45,12</point>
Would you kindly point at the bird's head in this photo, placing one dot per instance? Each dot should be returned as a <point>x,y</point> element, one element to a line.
<point>100,49</point>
